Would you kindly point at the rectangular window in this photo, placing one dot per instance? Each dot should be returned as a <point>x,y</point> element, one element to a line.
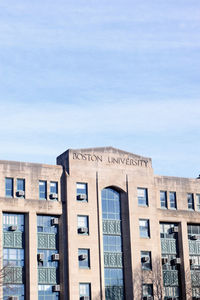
<point>144,228</point>
<point>142,197</point>
<point>83,225</point>
<point>146,260</point>
<point>84,291</point>
<point>172,200</point>
<point>147,290</point>
<point>9,187</point>
<point>53,190</point>
<point>198,202</point>
<point>81,191</point>
<point>112,243</point>
<point>13,256</point>
<point>163,199</point>
<point>42,190</point>
<point>84,258</point>
<point>190,200</point>
<point>20,188</point>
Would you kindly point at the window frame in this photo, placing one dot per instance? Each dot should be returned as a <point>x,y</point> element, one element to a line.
<point>53,192</point>
<point>198,201</point>
<point>143,201</point>
<point>190,196</point>
<point>87,252</point>
<point>144,229</point>
<point>78,226</point>
<point>170,200</point>
<point>84,191</point>
<point>163,201</point>
<point>45,192</point>
<point>146,266</point>
<point>9,195</point>
<point>88,287</point>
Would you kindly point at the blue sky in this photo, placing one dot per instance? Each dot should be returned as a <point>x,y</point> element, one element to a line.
<point>76,74</point>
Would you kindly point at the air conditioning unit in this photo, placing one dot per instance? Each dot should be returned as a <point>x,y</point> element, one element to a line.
<point>20,193</point>
<point>83,230</point>
<point>13,228</point>
<point>40,256</point>
<point>53,196</point>
<point>194,237</point>
<point>83,257</point>
<point>55,256</point>
<point>56,288</point>
<point>147,298</point>
<point>176,261</point>
<point>13,298</point>
<point>174,229</point>
<point>164,260</point>
<point>192,261</point>
<point>145,258</point>
<point>54,221</point>
<point>84,298</point>
<point>81,197</point>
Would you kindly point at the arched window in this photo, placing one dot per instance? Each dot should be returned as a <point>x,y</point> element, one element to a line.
<point>112,243</point>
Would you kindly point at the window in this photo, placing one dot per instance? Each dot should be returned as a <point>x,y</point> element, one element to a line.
<point>146,260</point>
<point>144,228</point>
<point>84,258</point>
<point>84,290</point>
<point>190,200</point>
<point>20,188</point>
<point>9,187</point>
<point>42,190</point>
<point>142,197</point>
<point>83,225</point>
<point>198,202</point>
<point>112,243</point>
<point>14,256</point>
<point>163,199</point>
<point>81,191</point>
<point>53,190</point>
<point>110,204</point>
<point>147,290</point>
<point>172,200</point>
<point>113,279</point>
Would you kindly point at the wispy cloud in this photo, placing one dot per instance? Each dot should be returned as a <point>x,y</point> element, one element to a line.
<point>124,116</point>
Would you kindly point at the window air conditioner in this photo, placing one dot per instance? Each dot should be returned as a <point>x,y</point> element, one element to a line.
<point>145,259</point>
<point>20,193</point>
<point>54,221</point>
<point>13,227</point>
<point>192,261</point>
<point>56,288</point>
<point>84,298</point>
<point>176,261</point>
<point>83,257</point>
<point>55,256</point>
<point>174,229</point>
<point>194,237</point>
<point>53,196</point>
<point>164,260</point>
<point>40,256</point>
<point>81,197</point>
<point>147,298</point>
<point>13,298</point>
<point>83,230</point>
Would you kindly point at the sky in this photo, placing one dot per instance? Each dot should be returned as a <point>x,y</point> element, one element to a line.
<point>80,74</point>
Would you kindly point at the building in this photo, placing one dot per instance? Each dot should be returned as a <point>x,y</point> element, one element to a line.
<point>98,225</point>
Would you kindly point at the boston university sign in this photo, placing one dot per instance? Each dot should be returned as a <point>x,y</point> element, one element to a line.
<point>125,160</point>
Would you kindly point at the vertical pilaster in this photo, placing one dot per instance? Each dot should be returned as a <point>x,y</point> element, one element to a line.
<point>31,256</point>
<point>185,265</point>
<point>1,260</point>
